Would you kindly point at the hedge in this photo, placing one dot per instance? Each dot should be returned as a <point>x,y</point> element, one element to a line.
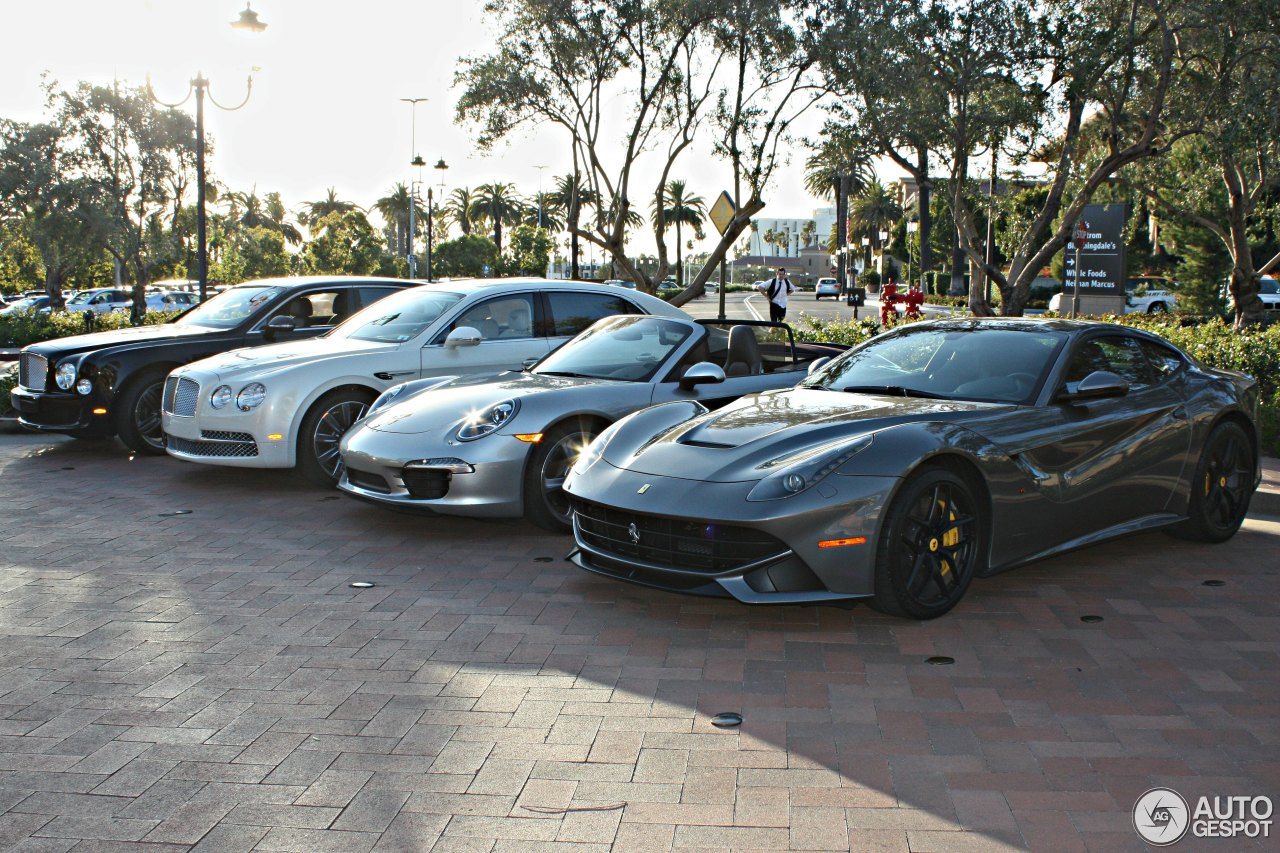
<point>1254,351</point>
<point>29,327</point>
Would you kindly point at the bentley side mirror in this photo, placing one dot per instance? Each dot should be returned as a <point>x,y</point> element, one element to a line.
<point>278,324</point>
<point>463,336</point>
<point>818,363</point>
<point>1099,385</point>
<point>702,373</point>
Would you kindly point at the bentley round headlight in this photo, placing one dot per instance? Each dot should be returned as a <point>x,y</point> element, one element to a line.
<point>66,376</point>
<point>220,396</point>
<point>488,420</point>
<point>84,387</point>
<point>251,396</point>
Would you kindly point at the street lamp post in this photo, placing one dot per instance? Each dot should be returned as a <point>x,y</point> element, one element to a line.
<point>539,168</point>
<point>248,21</point>
<point>431,216</point>
<point>417,160</point>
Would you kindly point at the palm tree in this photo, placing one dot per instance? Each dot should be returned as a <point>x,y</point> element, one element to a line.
<point>394,209</point>
<point>680,207</point>
<point>808,231</point>
<point>278,219</point>
<point>835,157</point>
<point>245,209</point>
<point>497,205</point>
<point>570,197</point>
<point>460,208</point>
<point>314,211</point>
<point>873,211</point>
<point>543,213</point>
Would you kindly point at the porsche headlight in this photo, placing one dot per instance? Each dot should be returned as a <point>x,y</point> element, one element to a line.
<point>488,420</point>
<point>220,397</point>
<point>797,473</point>
<point>251,396</point>
<point>66,376</point>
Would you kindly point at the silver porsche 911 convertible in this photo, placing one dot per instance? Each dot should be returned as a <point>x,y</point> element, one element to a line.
<point>501,446</point>
<point>918,460</point>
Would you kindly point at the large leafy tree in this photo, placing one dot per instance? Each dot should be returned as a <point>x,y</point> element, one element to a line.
<point>529,251</point>
<point>467,255</point>
<point>344,244</point>
<point>677,206</point>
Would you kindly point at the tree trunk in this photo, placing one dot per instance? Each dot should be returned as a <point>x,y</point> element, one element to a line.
<point>923,188</point>
<point>1245,283</point>
<point>978,290</point>
<point>53,286</point>
<point>679,256</point>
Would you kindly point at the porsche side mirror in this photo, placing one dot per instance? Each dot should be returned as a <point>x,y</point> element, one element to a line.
<point>818,363</point>
<point>702,373</point>
<point>1099,385</point>
<point>463,336</point>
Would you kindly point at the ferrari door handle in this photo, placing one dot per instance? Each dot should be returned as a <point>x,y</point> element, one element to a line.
<point>1179,414</point>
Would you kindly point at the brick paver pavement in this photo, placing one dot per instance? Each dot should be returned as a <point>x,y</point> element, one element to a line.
<point>210,681</point>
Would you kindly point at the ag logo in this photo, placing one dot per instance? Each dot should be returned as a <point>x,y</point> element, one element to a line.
<point>634,532</point>
<point>1161,817</point>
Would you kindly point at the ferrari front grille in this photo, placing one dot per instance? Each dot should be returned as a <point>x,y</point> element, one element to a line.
<point>688,544</point>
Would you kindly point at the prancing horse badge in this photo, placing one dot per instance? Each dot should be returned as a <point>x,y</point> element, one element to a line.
<point>643,489</point>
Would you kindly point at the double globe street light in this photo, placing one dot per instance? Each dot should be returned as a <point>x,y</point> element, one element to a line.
<point>248,22</point>
<point>418,162</point>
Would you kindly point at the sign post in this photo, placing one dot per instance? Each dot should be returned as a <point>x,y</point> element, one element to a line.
<point>721,215</point>
<point>1079,238</point>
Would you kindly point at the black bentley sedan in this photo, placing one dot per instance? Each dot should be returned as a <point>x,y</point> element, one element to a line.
<point>110,383</point>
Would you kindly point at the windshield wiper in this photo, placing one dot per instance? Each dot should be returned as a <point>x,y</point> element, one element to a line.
<point>566,373</point>
<point>893,390</point>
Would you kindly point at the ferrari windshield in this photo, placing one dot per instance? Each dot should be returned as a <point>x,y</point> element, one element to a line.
<point>397,318</point>
<point>229,308</point>
<point>958,363</point>
<point>629,348</point>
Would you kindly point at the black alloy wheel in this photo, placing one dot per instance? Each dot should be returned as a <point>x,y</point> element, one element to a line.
<point>1221,486</point>
<point>138,414</point>
<point>546,503</point>
<point>929,546</point>
<point>319,455</point>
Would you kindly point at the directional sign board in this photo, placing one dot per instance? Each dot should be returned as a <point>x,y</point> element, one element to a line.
<point>722,212</point>
<point>1102,263</point>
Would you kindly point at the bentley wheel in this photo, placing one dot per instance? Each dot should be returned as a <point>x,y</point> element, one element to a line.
<point>929,546</point>
<point>1221,486</point>
<point>138,413</point>
<point>319,458</point>
<point>545,502</point>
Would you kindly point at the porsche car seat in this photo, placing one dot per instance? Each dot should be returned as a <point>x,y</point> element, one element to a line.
<point>300,311</point>
<point>744,353</point>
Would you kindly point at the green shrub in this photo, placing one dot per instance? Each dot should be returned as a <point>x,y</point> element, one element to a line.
<point>8,381</point>
<point>29,327</point>
<point>869,278</point>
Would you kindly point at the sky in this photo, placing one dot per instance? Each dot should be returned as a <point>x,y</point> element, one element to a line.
<point>325,109</point>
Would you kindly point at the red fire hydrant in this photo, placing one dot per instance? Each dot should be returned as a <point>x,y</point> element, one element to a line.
<point>913,300</point>
<point>889,298</point>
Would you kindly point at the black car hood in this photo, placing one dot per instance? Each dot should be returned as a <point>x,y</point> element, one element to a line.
<point>731,445</point>
<point>63,347</point>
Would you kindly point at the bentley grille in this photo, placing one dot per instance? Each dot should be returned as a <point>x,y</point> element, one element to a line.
<point>688,544</point>
<point>181,395</point>
<point>33,371</point>
<point>218,444</point>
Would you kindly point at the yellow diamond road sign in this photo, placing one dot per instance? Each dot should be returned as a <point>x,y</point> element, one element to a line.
<point>722,212</point>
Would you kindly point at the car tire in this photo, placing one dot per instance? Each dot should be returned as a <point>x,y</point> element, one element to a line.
<point>1156,308</point>
<point>1221,486</point>
<point>137,412</point>
<point>921,571</point>
<point>545,504</point>
<point>322,429</point>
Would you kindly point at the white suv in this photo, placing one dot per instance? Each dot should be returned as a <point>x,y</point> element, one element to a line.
<point>1156,296</point>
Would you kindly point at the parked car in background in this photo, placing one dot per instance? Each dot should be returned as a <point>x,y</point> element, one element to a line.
<point>827,287</point>
<point>617,282</point>
<point>1268,292</point>
<point>920,459</point>
<point>27,303</point>
<point>168,300</point>
<point>1143,295</point>
<point>668,284</point>
<point>289,405</point>
<point>502,446</point>
<point>110,383</point>
<point>100,301</point>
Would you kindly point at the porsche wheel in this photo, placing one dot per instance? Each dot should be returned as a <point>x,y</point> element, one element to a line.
<point>545,503</point>
<point>138,413</point>
<point>322,430</point>
<point>1221,486</point>
<point>929,546</point>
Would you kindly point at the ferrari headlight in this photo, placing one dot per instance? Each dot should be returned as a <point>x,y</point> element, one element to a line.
<point>804,470</point>
<point>592,452</point>
<point>488,420</point>
<point>386,398</point>
<point>220,397</point>
<point>251,396</point>
<point>66,376</point>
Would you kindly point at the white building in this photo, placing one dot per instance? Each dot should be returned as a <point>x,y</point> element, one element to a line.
<point>823,218</point>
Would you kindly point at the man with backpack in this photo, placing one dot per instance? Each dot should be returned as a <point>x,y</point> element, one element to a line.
<point>777,290</point>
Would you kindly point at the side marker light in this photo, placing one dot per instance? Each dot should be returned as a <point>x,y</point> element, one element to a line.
<point>840,543</point>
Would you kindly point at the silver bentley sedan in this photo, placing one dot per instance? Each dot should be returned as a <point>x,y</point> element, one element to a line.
<point>919,460</point>
<point>501,446</point>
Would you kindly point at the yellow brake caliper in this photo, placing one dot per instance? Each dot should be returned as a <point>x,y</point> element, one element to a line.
<point>950,540</point>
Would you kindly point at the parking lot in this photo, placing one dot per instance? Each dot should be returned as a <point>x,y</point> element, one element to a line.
<point>210,680</point>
